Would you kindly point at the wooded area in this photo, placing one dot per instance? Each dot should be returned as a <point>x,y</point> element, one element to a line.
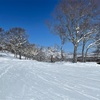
<point>75,21</point>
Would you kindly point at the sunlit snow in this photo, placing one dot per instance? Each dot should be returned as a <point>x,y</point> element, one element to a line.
<point>32,80</point>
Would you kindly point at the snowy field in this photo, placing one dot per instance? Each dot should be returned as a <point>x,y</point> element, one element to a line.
<point>32,80</point>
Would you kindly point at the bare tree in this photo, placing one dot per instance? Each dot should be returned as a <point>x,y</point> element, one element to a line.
<point>94,44</point>
<point>60,31</point>
<point>96,40</point>
<point>30,51</point>
<point>97,51</point>
<point>17,38</point>
<point>70,17</point>
<point>89,32</point>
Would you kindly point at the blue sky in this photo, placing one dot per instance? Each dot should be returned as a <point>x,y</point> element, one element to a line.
<point>30,15</point>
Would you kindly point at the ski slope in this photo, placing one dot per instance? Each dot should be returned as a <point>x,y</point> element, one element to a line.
<point>32,80</point>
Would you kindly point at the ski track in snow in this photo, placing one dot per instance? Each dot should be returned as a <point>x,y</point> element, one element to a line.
<point>32,80</point>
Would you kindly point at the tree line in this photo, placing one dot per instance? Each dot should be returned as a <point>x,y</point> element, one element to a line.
<point>15,40</point>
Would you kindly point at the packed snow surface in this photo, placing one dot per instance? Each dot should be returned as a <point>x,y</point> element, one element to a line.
<point>32,80</point>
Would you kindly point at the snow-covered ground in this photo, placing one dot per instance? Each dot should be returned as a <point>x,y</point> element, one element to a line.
<point>32,80</point>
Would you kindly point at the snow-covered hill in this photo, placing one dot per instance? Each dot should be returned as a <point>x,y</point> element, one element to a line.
<point>32,80</point>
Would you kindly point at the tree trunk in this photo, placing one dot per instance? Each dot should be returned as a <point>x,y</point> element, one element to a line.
<point>52,58</point>
<point>62,57</point>
<point>83,47</point>
<point>75,54</point>
<point>86,54</point>
<point>20,55</point>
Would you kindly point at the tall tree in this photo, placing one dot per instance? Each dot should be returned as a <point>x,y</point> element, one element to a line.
<point>70,16</point>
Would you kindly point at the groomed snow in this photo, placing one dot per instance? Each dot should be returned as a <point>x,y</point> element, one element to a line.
<point>32,80</point>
